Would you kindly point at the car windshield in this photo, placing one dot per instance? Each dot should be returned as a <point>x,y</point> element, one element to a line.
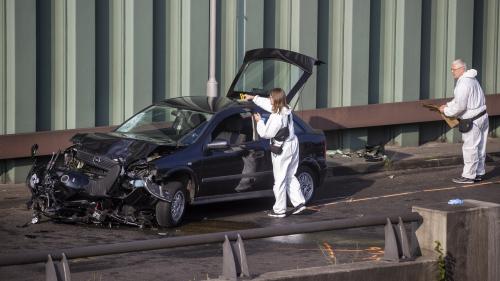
<point>261,76</point>
<point>163,123</point>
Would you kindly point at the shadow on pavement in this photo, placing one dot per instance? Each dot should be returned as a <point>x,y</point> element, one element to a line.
<point>333,189</point>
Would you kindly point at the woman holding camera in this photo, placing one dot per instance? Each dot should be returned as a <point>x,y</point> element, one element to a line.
<point>285,159</point>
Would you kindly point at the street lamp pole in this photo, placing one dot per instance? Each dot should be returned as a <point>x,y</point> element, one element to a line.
<point>212,82</point>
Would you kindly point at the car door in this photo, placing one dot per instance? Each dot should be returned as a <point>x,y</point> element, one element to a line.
<point>240,166</point>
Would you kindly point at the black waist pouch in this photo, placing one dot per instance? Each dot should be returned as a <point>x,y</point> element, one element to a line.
<point>280,136</point>
<point>276,149</point>
<point>465,125</point>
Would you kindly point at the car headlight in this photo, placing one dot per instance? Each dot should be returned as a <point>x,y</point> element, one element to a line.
<point>137,183</point>
<point>34,180</point>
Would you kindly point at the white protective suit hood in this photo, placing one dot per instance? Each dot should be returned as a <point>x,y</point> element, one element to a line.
<point>285,111</point>
<point>468,97</point>
<point>471,73</point>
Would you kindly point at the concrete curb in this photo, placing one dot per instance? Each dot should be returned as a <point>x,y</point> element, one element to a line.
<point>337,169</point>
<point>424,268</point>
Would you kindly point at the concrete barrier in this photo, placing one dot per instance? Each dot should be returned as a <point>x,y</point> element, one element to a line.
<point>469,235</point>
<point>423,269</point>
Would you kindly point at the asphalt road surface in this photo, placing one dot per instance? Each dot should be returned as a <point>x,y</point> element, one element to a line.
<point>378,194</point>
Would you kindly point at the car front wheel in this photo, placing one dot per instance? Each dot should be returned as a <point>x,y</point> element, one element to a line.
<point>170,214</point>
<point>307,180</point>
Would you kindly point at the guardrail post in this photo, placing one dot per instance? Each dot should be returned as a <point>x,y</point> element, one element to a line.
<point>234,260</point>
<point>397,246</point>
<point>403,238</point>
<point>391,252</point>
<point>50,270</point>
<point>242,257</point>
<point>57,272</point>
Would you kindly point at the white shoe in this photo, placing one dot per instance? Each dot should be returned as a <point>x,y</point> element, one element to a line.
<point>276,215</point>
<point>299,209</point>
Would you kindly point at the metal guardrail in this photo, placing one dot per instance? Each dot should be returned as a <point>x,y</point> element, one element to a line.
<point>219,237</point>
<point>14,146</point>
<point>383,114</point>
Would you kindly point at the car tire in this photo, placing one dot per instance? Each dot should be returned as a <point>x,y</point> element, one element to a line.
<point>170,214</point>
<point>308,182</point>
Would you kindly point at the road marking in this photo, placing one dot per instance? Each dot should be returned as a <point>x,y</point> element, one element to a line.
<point>351,200</point>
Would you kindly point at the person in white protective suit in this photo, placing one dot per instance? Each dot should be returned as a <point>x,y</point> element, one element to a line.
<point>469,104</point>
<point>284,164</point>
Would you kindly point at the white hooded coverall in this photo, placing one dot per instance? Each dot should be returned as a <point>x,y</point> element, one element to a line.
<point>468,102</point>
<point>284,165</point>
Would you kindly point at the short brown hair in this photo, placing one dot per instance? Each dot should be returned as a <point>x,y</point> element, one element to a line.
<point>278,97</point>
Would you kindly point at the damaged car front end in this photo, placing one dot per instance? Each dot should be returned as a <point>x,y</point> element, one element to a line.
<point>181,151</point>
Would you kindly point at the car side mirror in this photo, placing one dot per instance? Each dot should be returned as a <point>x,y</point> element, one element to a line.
<point>34,150</point>
<point>218,144</point>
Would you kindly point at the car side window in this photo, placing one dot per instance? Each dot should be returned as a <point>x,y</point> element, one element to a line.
<point>235,129</point>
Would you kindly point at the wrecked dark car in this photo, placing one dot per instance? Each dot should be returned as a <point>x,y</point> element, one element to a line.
<point>179,152</point>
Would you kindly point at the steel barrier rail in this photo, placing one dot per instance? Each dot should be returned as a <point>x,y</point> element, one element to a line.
<point>219,237</point>
<point>384,114</point>
<point>15,146</point>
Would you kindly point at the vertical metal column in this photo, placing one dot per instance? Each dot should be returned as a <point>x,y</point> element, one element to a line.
<point>407,63</point>
<point>3,81</point>
<point>230,29</point>
<point>460,42</point>
<point>80,50</point>
<point>138,45</point>
<point>242,29</point>
<point>212,82</point>
<point>355,64</point>
<point>194,55</point>
<point>304,39</point>
<point>254,25</point>
<point>20,75</point>
<point>117,62</point>
<point>173,68</point>
<point>3,68</point>
<point>335,61</point>
<point>60,64</point>
<point>20,72</point>
<point>491,55</point>
<point>131,47</point>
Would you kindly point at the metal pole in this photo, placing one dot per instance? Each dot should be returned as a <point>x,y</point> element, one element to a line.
<point>212,82</point>
<point>219,237</point>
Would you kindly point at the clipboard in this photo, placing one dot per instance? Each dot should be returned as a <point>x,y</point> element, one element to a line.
<point>451,121</point>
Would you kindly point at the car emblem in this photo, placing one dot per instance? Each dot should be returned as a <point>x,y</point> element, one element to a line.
<point>96,159</point>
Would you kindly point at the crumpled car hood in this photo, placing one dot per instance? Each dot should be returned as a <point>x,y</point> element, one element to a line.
<point>116,146</point>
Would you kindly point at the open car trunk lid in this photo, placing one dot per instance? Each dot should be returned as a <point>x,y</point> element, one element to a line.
<point>268,68</point>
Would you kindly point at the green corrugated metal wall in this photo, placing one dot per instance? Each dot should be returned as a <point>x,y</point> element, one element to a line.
<point>83,63</point>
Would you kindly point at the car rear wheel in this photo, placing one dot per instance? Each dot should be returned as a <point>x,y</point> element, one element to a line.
<point>169,214</point>
<point>308,182</point>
